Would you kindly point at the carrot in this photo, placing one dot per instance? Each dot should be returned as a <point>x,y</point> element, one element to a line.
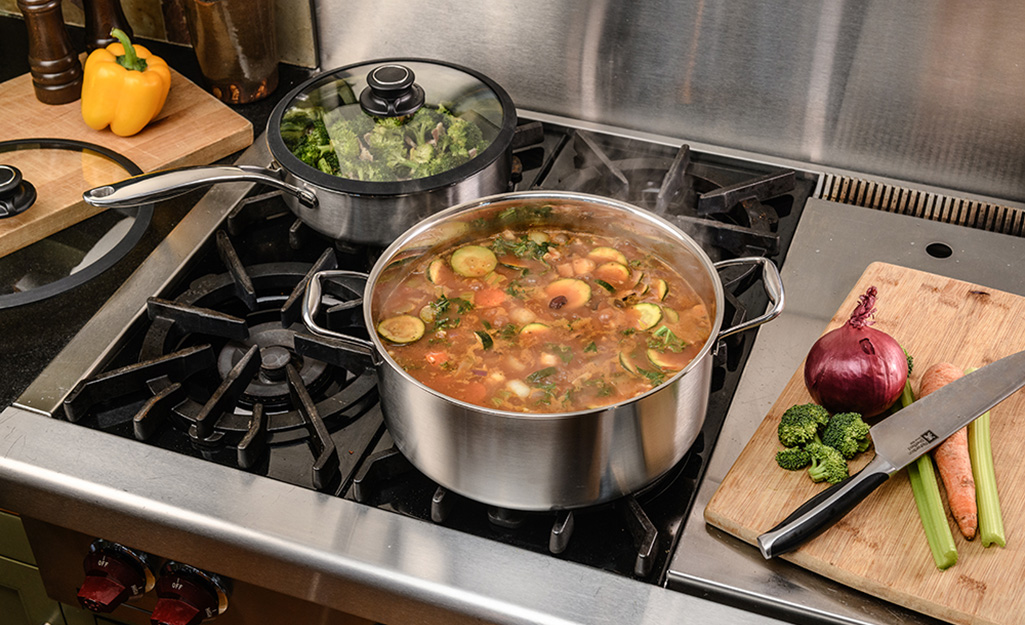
<point>952,459</point>
<point>489,298</point>
<point>436,358</point>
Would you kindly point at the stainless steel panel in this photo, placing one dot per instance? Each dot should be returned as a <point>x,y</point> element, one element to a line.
<point>322,549</point>
<point>833,246</point>
<point>922,92</point>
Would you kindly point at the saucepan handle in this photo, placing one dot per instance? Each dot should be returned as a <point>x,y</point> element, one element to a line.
<point>311,304</point>
<point>771,282</point>
<point>162,185</point>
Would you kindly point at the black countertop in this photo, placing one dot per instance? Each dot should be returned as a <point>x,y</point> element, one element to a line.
<point>32,335</point>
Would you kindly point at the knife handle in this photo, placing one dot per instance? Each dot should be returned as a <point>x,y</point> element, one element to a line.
<point>824,509</point>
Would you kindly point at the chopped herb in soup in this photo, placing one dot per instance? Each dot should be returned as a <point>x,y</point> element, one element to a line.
<point>542,321</point>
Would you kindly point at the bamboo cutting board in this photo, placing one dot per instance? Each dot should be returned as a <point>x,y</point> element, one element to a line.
<point>879,547</point>
<point>194,128</point>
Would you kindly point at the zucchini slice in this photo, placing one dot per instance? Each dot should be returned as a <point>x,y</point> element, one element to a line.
<point>661,288</point>
<point>625,362</point>
<point>575,292</point>
<point>436,271</point>
<point>473,261</point>
<point>673,361</point>
<point>538,237</point>
<point>534,328</point>
<point>670,314</point>
<point>614,273</point>
<point>607,255</point>
<point>648,315</point>
<point>485,339</point>
<point>401,329</point>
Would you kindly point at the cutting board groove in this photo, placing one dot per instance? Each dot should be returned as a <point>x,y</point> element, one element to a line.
<point>879,548</point>
<point>194,128</point>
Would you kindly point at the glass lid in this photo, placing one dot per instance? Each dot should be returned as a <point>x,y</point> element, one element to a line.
<point>50,239</point>
<point>395,120</point>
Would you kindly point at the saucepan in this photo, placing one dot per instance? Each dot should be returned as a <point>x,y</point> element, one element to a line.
<point>541,461</point>
<point>366,151</point>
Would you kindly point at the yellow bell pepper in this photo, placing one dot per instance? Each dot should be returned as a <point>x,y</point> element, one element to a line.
<point>124,86</point>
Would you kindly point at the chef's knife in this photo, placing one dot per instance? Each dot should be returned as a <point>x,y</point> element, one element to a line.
<point>899,440</point>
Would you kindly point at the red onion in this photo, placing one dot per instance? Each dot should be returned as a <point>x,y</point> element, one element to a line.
<point>856,368</point>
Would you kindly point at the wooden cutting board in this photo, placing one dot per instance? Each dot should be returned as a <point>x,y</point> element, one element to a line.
<point>880,548</point>
<point>194,128</point>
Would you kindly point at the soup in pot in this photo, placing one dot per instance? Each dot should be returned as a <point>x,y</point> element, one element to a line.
<point>541,320</point>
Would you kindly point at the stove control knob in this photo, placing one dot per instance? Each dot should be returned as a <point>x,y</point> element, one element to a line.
<point>188,596</point>
<point>113,574</point>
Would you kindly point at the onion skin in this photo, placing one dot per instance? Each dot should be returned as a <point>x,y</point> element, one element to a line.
<point>856,368</point>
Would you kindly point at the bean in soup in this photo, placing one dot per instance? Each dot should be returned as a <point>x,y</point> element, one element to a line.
<point>542,320</point>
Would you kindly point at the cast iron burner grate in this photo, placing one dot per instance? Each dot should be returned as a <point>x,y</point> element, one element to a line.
<point>630,536</point>
<point>727,215</point>
<point>219,364</point>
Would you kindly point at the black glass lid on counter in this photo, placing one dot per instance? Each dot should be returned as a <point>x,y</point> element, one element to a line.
<point>395,121</point>
<point>45,252</point>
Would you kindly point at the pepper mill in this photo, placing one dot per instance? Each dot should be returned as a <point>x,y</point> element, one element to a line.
<point>101,16</point>
<point>53,63</point>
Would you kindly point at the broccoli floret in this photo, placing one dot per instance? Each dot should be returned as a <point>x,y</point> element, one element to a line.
<point>346,147</point>
<point>464,136</point>
<point>312,153</point>
<point>294,123</point>
<point>421,153</point>
<point>800,424</point>
<point>847,433</point>
<point>793,458</point>
<point>384,139</point>
<point>419,128</point>
<point>826,463</point>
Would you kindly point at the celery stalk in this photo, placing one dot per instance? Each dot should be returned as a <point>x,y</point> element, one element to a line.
<point>922,475</point>
<point>991,523</point>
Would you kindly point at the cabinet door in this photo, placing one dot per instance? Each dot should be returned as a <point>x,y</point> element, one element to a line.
<point>23,600</point>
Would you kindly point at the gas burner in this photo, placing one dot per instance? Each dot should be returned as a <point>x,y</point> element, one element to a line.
<point>729,219</point>
<point>551,531</point>
<point>219,361</point>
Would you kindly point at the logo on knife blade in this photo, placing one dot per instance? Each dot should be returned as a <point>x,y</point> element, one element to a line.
<point>921,442</point>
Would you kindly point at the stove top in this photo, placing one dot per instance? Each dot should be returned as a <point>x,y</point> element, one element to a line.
<point>212,370</point>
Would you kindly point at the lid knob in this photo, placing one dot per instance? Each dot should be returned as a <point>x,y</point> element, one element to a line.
<point>391,92</point>
<point>16,194</point>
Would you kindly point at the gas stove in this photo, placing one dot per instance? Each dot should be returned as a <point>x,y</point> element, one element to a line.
<point>201,362</point>
<point>222,369</point>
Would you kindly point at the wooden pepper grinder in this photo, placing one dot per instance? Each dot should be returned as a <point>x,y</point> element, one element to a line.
<point>100,17</point>
<point>53,63</point>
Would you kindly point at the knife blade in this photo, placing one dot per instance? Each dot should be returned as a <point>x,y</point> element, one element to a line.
<point>899,440</point>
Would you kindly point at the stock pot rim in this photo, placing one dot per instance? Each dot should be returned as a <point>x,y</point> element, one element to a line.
<point>540,195</point>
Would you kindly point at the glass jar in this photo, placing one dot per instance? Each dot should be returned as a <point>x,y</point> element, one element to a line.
<point>236,47</point>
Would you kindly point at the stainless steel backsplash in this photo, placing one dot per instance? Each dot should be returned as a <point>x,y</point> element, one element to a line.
<point>927,92</point>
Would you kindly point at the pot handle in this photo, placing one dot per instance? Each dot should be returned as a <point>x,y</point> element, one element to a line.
<point>311,303</point>
<point>771,282</point>
<point>162,185</point>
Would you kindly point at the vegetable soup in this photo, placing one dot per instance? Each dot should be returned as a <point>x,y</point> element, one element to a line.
<point>535,320</point>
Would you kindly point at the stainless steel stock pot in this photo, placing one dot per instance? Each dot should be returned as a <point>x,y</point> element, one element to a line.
<point>544,461</point>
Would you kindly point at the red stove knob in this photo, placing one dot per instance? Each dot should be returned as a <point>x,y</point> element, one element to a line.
<point>187,596</point>
<point>113,574</point>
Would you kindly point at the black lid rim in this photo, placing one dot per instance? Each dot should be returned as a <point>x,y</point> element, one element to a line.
<point>143,216</point>
<point>288,161</point>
